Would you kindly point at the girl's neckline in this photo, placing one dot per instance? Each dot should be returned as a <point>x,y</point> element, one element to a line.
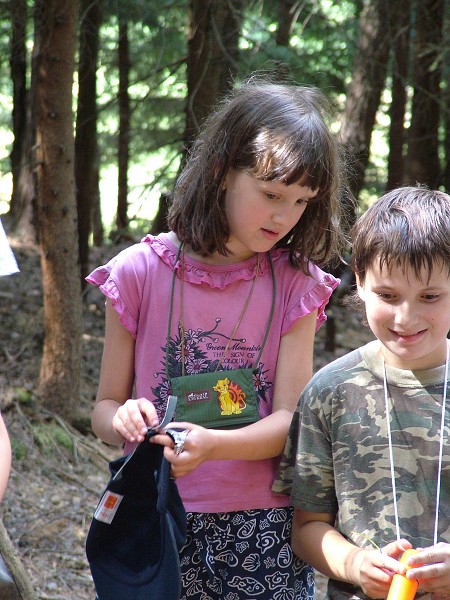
<point>216,260</point>
<point>219,277</point>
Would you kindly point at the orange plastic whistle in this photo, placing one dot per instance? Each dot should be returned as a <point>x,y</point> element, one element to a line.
<point>402,588</point>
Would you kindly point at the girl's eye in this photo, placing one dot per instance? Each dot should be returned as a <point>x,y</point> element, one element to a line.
<point>302,201</point>
<point>271,196</point>
<point>430,297</point>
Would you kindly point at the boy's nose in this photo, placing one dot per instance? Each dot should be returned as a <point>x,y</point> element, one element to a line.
<point>405,314</point>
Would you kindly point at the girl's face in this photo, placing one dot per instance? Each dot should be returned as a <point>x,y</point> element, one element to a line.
<point>409,315</point>
<point>260,213</point>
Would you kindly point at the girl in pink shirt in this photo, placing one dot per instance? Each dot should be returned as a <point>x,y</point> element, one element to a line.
<point>235,284</point>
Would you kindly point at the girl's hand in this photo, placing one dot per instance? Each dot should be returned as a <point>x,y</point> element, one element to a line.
<point>133,418</point>
<point>196,448</point>
<point>374,569</point>
<point>434,574</point>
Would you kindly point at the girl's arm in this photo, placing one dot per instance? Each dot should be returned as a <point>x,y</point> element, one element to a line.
<point>5,457</point>
<point>316,541</point>
<point>265,438</point>
<point>116,418</point>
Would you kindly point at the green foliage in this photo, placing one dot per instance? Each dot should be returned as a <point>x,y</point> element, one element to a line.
<point>140,227</point>
<point>23,397</point>
<point>150,12</point>
<point>157,85</point>
<point>158,44</point>
<point>19,450</point>
<point>320,53</point>
<point>49,436</point>
<point>321,45</point>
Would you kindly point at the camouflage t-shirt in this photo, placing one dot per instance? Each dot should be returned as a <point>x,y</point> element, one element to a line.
<point>336,458</point>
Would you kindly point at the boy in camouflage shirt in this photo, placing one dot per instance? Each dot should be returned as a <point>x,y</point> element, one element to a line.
<point>342,461</point>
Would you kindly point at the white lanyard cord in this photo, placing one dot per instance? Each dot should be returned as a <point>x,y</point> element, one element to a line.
<point>441,447</point>
<point>391,456</point>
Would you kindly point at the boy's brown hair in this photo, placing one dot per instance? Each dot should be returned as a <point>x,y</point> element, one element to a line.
<point>407,227</point>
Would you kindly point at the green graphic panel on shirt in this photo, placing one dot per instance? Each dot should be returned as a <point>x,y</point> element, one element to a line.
<point>202,353</point>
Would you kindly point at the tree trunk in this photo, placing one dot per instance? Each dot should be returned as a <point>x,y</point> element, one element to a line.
<point>288,12</point>
<point>213,50</point>
<point>21,216</point>
<point>18,64</point>
<point>55,44</point>
<point>363,95</point>
<point>86,153</point>
<point>159,223</point>
<point>98,233</point>
<point>21,587</point>
<point>124,127</point>
<point>400,32</point>
<point>215,27</point>
<point>446,97</point>
<point>423,164</point>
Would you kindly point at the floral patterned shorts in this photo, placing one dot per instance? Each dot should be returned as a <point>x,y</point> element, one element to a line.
<point>243,556</point>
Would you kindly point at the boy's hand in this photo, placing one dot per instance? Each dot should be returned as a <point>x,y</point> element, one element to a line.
<point>375,569</point>
<point>434,574</point>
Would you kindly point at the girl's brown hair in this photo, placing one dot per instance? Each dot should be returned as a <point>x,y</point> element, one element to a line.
<point>276,132</point>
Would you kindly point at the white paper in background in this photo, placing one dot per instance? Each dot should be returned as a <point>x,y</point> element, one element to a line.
<point>8,264</point>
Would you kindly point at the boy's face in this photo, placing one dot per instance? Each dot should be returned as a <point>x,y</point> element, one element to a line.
<point>409,315</point>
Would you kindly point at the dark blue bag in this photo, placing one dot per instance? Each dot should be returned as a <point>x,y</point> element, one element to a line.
<point>138,529</point>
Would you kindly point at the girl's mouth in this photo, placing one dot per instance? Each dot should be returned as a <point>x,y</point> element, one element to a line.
<point>270,234</point>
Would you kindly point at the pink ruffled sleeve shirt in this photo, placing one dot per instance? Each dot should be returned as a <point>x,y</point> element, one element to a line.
<point>139,282</point>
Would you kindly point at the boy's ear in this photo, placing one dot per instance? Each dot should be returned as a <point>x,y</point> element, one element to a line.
<point>360,288</point>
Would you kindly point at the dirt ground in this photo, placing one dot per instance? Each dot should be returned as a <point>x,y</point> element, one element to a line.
<point>58,471</point>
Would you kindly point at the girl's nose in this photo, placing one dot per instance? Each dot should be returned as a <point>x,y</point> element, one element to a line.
<point>278,219</point>
<point>282,215</point>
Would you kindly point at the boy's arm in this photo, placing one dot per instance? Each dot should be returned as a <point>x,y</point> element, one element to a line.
<point>316,541</point>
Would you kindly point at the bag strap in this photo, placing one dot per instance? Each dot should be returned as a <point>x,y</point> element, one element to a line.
<point>269,323</point>
<point>272,310</point>
<point>168,416</point>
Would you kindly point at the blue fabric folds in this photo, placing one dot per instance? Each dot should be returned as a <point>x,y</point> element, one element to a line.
<point>136,555</point>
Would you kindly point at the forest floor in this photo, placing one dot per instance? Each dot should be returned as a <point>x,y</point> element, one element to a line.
<point>59,470</point>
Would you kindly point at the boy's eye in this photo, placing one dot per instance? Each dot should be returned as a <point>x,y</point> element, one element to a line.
<point>271,196</point>
<point>430,297</point>
<point>385,296</point>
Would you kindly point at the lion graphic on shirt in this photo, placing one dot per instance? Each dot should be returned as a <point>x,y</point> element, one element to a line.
<point>231,397</point>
